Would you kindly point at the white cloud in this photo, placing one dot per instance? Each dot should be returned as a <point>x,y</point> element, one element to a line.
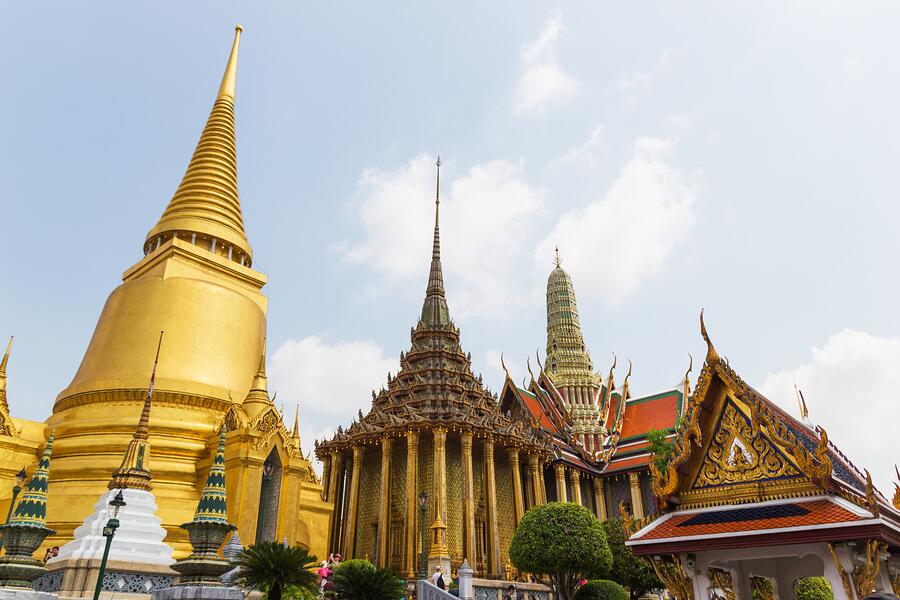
<point>631,83</point>
<point>542,81</point>
<point>626,236</point>
<point>852,388</point>
<point>587,154</point>
<point>330,381</point>
<point>486,212</point>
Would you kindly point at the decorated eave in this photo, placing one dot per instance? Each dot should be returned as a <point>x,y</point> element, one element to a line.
<point>744,472</point>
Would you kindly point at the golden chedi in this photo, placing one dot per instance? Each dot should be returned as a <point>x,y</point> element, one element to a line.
<point>196,282</point>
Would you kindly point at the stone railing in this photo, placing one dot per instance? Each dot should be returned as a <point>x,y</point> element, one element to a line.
<point>492,589</point>
<point>425,590</point>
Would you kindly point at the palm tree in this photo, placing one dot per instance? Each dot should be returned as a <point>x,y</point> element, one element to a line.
<point>273,566</point>
<point>360,580</point>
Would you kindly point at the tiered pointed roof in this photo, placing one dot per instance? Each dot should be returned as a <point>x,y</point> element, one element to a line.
<point>212,507</point>
<point>134,471</point>
<point>32,508</point>
<point>435,383</point>
<point>206,202</point>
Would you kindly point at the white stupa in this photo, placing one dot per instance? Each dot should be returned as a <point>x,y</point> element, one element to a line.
<point>138,541</point>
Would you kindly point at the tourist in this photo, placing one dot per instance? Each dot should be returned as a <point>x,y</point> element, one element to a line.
<point>511,593</point>
<point>323,572</point>
<point>438,578</point>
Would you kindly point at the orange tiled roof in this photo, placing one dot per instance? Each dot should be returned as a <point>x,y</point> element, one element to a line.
<point>654,412</point>
<point>748,519</point>
<point>534,405</point>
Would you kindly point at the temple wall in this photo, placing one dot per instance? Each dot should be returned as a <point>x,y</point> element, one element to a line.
<point>369,504</point>
<point>506,511</point>
<point>426,482</point>
<point>397,540</point>
<point>455,500</point>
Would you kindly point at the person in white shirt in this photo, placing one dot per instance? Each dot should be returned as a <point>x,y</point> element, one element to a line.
<point>438,578</point>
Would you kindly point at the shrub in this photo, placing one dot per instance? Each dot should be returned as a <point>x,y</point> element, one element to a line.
<point>271,567</point>
<point>813,588</point>
<point>601,589</point>
<point>564,541</point>
<point>360,580</point>
<point>632,572</point>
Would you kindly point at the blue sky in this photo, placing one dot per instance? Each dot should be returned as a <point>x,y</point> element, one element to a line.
<point>680,157</point>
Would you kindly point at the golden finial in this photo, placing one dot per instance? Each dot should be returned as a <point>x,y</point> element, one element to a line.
<point>229,80</point>
<point>801,401</point>
<point>505,370</point>
<point>296,432</point>
<point>610,382</point>
<point>712,357</point>
<point>686,384</point>
<point>896,499</point>
<point>871,499</point>
<point>528,363</point>
<point>6,357</point>
<point>625,383</point>
<point>537,356</point>
<point>3,364</point>
<point>556,259</point>
<point>143,427</point>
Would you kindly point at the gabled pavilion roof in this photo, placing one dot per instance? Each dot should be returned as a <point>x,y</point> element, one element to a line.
<point>735,448</point>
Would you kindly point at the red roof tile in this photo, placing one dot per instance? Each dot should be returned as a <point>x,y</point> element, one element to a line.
<point>749,519</point>
<point>644,414</point>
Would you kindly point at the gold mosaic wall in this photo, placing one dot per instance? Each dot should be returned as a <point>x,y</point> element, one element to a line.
<point>369,503</point>
<point>506,512</point>
<point>397,541</point>
<point>455,501</point>
<point>426,477</point>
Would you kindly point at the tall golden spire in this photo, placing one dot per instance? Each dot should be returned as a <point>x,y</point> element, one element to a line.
<point>4,406</point>
<point>134,472</point>
<point>435,311</point>
<point>206,209</point>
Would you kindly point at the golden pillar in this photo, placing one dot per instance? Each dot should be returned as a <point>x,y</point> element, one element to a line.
<point>600,498</point>
<point>384,515</point>
<point>537,483</point>
<point>468,497</point>
<point>353,504</point>
<point>438,554</point>
<point>576,486</point>
<point>493,532</point>
<point>337,475</point>
<point>326,476</point>
<point>637,506</point>
<point>518,502</point>
<point>561,483</point>
<point>412,453</point>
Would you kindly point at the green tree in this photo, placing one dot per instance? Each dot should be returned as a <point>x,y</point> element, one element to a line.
<point>634,573</point>
<point>660,447</point>
<point>601,589</point>
<point>562,540</point>
<point>813,588</point>
<point>360,580</point>
<point>271,567</point>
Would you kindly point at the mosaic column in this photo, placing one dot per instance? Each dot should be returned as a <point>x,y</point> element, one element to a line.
<point>337,475</point>
<point>326,476</point>
<point>537,484</point>
<point>468,497</point>
<point>352,507</point>
<point>561,483</point>
<point>518,502</point>
<point>439,553</point>
<point>576,486</point>
<point>493,532</point>
<point>600,498</point>
<point>637,506</point>
<point>384,515</point>
<point>412,495</point>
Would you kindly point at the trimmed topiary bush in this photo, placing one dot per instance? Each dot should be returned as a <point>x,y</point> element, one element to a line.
<point>562,540</point>
<point>601,589</point>
<point>813,588</point>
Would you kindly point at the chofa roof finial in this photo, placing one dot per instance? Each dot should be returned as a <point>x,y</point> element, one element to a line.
<point>712,357</point>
